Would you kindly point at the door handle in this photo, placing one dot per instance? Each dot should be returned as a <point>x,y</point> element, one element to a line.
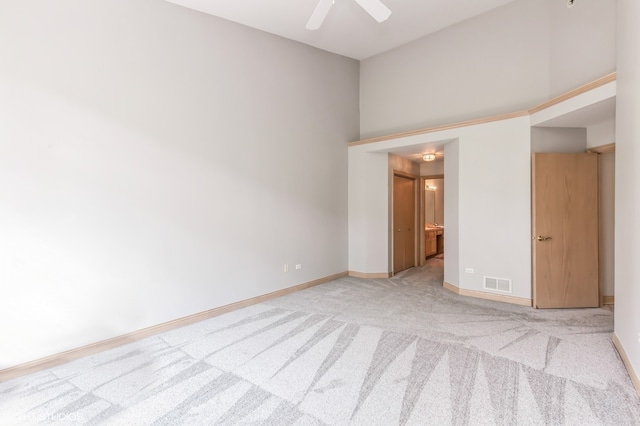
<point>541,238</point>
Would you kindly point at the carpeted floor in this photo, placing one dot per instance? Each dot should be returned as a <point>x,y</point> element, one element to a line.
<point>364,352</point>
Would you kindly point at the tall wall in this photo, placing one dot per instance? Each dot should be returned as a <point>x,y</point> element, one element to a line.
<point>627,245</point>
<point>156,162</point>
<point>583,42</point>
<point>506,60</point>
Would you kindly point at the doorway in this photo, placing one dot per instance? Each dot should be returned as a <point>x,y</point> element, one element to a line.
<point>432,217</point>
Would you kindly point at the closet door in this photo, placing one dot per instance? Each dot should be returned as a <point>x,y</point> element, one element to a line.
<point>404,219</point>
<point>565,230</point>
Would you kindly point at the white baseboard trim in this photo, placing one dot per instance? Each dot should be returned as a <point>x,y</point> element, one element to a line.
<point>73,354</point>
<point>635,379</point>
<point>489,296</point>
<point>369,275</point>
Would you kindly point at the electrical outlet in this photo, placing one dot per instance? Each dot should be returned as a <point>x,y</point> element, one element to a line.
<point>286,267</point>
<point>298,266</point>
<point>469,270</point>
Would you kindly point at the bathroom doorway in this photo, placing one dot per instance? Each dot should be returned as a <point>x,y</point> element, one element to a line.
<point>432,217</point>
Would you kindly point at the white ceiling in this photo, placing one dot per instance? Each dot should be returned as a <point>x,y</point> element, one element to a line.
<point>348,30</point>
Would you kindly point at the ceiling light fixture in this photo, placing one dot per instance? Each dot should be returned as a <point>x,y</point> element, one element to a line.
<point>429,157</point>
<point>570,3</point>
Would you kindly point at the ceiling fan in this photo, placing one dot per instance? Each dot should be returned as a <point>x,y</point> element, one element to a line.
<point>375,8</point>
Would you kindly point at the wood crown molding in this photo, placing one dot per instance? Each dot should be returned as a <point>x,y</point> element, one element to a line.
<point>635,379</point>
<point>440,128</point>
<point>73,354</point>
<point>488,296</point>
<point>573,93</point>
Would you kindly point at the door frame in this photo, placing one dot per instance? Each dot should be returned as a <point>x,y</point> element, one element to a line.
<point>604,255</point>
<point>417,199</point>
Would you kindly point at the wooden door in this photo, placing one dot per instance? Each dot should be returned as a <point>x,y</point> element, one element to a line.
<point>404,198</point>
<point>565,230</point>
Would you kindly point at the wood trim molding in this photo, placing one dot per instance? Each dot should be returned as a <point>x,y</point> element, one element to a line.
<point>404,174</point>
<point>571,94</point>
<point>369,275</point>
<point>603,149</point>
<point>73,354</point>
<point>440,128</point>
<point>635,379</point>
<point>488,296</point>
<point>608,300</point>
<point>575,92</point>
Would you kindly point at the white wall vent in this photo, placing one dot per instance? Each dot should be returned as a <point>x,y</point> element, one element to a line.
<point>502,285</point>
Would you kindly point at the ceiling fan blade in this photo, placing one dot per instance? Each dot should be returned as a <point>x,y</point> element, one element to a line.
<point>320,12</point>
<point>376,9</point>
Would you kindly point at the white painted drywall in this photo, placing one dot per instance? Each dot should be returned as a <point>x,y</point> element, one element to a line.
<point>156,162</point>
<point>627,266</point>
<point>558,139</point>
<point>452,213</point>
<point>495,205</point>
<point>583,43</point>
<point>495,63</point>
<point>369,209</point>
<point>509,59</point>
<point>601,133</point>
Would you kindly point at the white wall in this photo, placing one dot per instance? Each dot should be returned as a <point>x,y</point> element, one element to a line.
<point>495,206</point>
<point>627,267</point>
<point>156,162</point>
<point>583,42</point>
<point>495,63</point>
<point>558,139</point>
<point>452,212</point>
<point>509,59</point>
<point>601,133</point>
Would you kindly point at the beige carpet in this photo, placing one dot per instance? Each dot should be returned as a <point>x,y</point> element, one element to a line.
<point>353,351</point>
